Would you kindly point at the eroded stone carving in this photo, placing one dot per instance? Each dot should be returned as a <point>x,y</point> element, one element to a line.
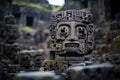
<point>72,32</point>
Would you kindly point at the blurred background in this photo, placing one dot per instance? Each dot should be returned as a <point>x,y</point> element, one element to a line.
<point>33,20</point>
<point>29,30</point>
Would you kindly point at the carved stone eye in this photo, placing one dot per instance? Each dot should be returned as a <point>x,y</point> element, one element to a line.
<point>37,59</point>
<point>81,32</point>
<point>63,31</point>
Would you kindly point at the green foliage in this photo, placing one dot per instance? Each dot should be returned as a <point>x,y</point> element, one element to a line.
<point>116,45</point>
<point>26,28</point>
<point>117,40</point>
<point>37,6</point>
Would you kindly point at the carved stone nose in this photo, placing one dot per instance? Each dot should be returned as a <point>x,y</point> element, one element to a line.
<point>31,63</point>
<point>72,38</point>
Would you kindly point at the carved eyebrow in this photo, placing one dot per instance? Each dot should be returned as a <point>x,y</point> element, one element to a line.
<point>64,25</point>
<point>80,25</point>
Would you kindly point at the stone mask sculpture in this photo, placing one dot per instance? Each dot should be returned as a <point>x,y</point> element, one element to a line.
<point>72,32</point>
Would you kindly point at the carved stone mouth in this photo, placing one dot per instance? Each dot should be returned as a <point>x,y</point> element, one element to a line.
<point>71,45</point>
<point>71,49</point>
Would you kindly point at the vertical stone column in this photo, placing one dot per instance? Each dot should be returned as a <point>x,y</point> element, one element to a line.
<point>101,12</point>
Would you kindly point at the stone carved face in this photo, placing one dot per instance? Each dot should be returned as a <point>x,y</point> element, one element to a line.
<point>70,34</point>
<point>31,58</point>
